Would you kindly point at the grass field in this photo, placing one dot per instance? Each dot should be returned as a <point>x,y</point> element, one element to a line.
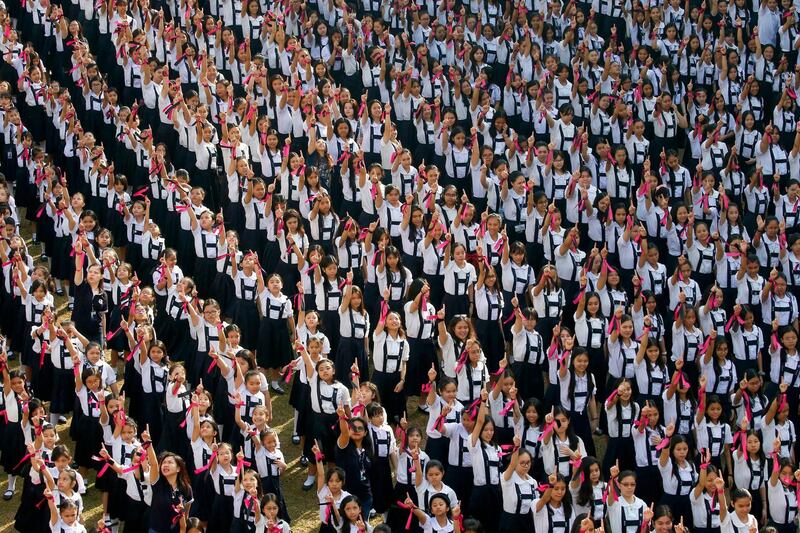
<point>303,506</point>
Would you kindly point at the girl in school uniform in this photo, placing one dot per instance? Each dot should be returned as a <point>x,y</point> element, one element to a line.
<point>485,454</point>
<point>713,432</point>
<point>750,470</point>
<point>91,303</point>
<point>328,288</point>
<point>38,304</point>
<point>246,495</point>
<point>117,201</point>
<point>354,326</point>
<point>577,390</point>
<point>622,347</point>
<point>393,275</point>
<point>781,496</point>
<point>409,446</point>
<point>530,427</point>
<point>203,444</point>
<point>152,245</point>
<point>591,328</point>
<point>428,482</point>
<point>412,235</point>
<point>176,407</point>
<point>488,302</point>
<point>503,405</point>
<point>452,340</point>
<point>122,278</point>
<point>459,279</point>
<point>270,522</point>
<point>626,512</point>
<point>439,519</point>
<point>299,399</point>
<point>390,355</point>
<point>740,517</point>
<point>647,436</point>
<point>330,494</point>
<point>89,390</point>
<point>433,251</point>
<point>63,517</point>
<point>206,327</point>
<point>678,475</point>
<point>747,338</point>
<point>621,413</point>
<point>351,517</point>
<point>292,244</point>
<point>650,370</point>
<point>560,444</point>
<point>719,371</point>
<point>548,301</point>
<point>518,491</point>
<point>350,250</point>
<point>552,511</point>
<point>309,327</point>
<point>527,348</point>
<point>270,464</point>
<point>273,335</point>
<point>327,395</point>
<point>135,222</point>
<point>208,241</point>
<point>440,394</point>
<point>223,476</point>
<point>587,489</point>
<point>63,397</point>
<point>152,368</point>
<point>708,499</point>
<point>420,319</point>
<point>680,403</point>
<point>244,312</point>
<point>778,426</point>
<point>384,456</point>
<point>471,372</point>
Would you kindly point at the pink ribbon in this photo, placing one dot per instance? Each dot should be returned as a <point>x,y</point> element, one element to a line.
<point>105,467</point>
<point>410,513</point>
<point>207,465</point>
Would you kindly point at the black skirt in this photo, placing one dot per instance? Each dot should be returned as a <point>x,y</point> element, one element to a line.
<point>350,350</point>
<point>203,494</point>
<point>63,396</point>
<point>205,274</point>
<point>274,349</point>
<point>244,314</point>
<point>60,265</point>
<point>381,484</point>
<point>13,449</point>
<point>88,437</point>
<point>221,513</point>
<point>422,354</point>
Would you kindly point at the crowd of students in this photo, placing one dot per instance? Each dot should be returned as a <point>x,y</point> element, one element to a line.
<point>555,224</point>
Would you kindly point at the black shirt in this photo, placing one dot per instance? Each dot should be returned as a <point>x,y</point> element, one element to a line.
<point>88,310</point>
<point>356,465</point>
<point>161,510</point>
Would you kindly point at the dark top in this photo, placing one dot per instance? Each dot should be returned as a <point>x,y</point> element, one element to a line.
<point>161,511</point>
<point>88,311</point>
<point>356,464</point>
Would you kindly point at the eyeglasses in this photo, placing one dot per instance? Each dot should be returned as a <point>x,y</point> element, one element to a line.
<point>358,429</point>
<point>524,463</point>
